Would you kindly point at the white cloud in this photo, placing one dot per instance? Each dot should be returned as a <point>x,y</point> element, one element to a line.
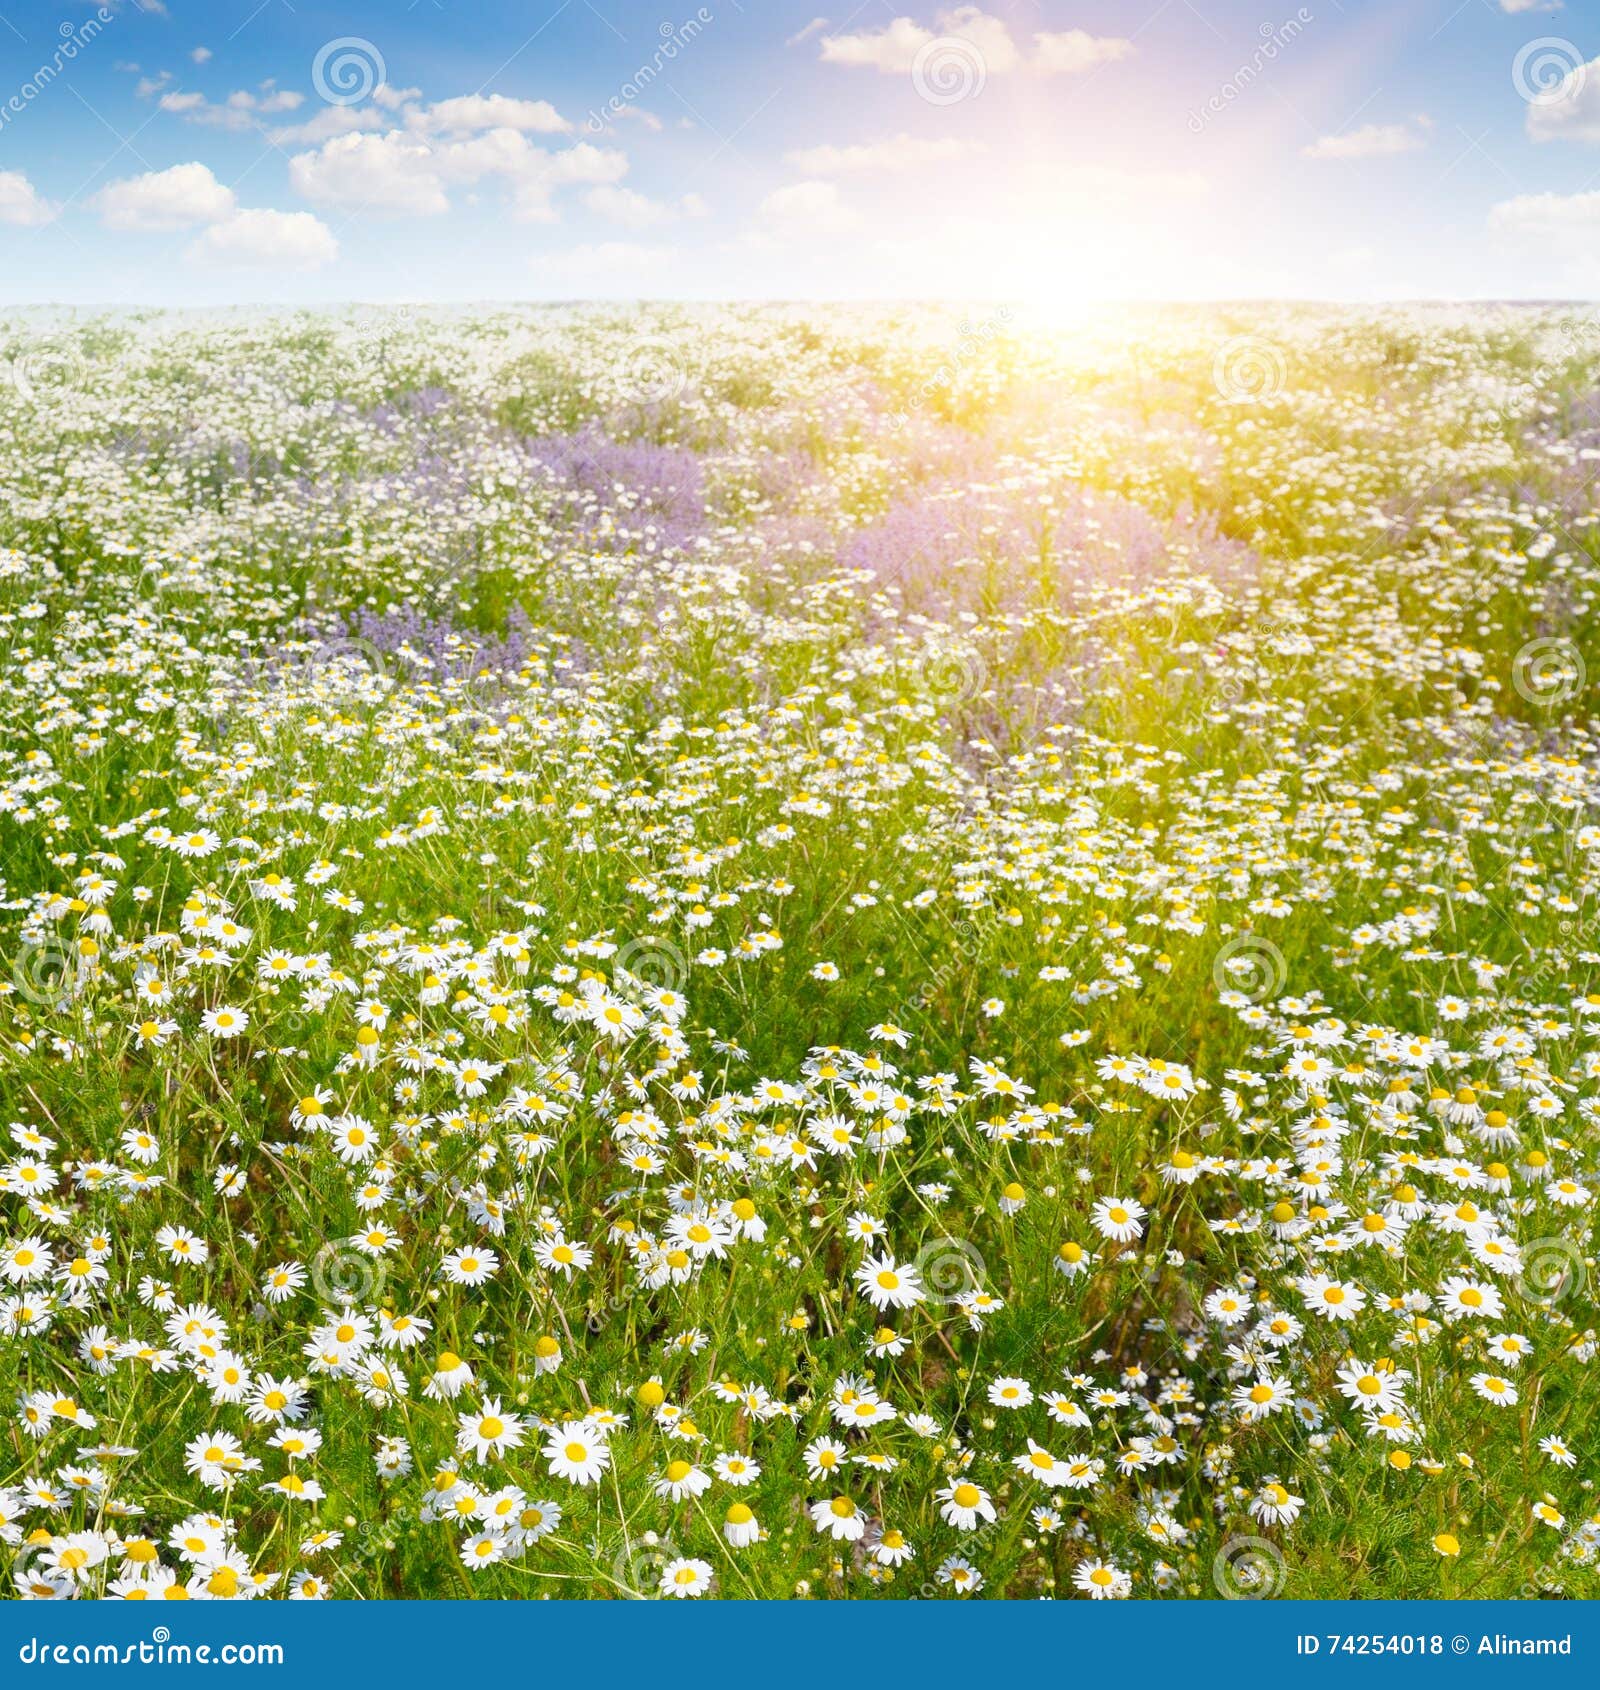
<point>20,204</point>
<point>469,113</point>
<point>164,199</point>
<point>987,34</point>
<point>1371,140</point>
<point>378,172</point>
<point>1570,110</point>
<point>409,175</point>
<point>1515,6</point>
<point>805,209</point>
<point>894,49</point>
<point>636,114</point>
<point>1110,186</point>
<point>272,100</point>
<point>241,110</point>
<point>595,268</point>
<point>1567,225</point>
<point>639,211</point>
<point>898,152</point>
<point>542,173</point>
<point>201,55</point>
<point>806,33</point>
<point>496,152</point>
<point>1072,51</point>
<point>266,240</point>
<point>328,122</point>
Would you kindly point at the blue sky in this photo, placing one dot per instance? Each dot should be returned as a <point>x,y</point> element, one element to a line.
<point>210,151</point>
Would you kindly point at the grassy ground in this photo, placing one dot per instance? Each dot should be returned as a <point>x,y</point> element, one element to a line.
<point>750,796</point>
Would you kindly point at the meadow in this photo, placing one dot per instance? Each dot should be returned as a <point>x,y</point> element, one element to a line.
<point>775,952</point>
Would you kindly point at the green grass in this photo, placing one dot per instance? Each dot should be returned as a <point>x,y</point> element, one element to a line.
<point>1319,703</point>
